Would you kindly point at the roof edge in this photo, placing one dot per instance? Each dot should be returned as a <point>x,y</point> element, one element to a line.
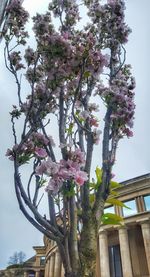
<point>136,179</point>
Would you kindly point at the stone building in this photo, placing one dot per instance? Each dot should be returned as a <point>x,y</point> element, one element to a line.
<point>12,272</point>
<point>124,251</point>
<point>35,266</point>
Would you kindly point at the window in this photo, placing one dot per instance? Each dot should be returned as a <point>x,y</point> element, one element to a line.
<point>131,210</point>
<point>31,274</point>
<point>42,260</point>
<point>115,261</point>
<point>110,209</point>
<point>147,202</point>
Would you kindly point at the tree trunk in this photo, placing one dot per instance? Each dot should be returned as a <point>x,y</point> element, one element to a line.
<point>87,251</point>
<point>88,273</point>
<point>88,247</point>
<point>73,274</point>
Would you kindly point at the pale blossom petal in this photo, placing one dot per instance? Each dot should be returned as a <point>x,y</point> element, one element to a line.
<point>81,177</point>
<point>40,152</point>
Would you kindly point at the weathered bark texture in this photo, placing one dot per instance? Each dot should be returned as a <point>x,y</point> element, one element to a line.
<point>88,246</point>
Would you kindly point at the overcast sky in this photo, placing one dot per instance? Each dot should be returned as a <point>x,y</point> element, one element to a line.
<point>133,156</point>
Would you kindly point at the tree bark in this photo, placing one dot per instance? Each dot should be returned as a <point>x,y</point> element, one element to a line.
<point>88,246</point>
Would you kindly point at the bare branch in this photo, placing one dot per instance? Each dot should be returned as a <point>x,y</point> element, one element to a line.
<point>50,150</point>
<point>40,200</point>
<point>52,211</point>
<point>12,70</point>
<point>31,220</point>
<point>73,238</point>
<point>13,129</point>
<point>103,189</point>
<point>28,186</point>
<point>37,187</point>
<point>38,217</point>
<point>62,123</point>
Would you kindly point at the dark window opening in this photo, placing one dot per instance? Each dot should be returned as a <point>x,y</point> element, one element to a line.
<point>115,261</point>
<point>42,260</point>
<point>31,274</point>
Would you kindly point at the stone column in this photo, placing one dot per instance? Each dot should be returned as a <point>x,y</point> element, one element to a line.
<point>145,226</point>
<point>57,268</point>
<point>37,274</point>
<point>125,252</point>
<point>52,262</point>
<point>62,270</point>
<point>104,255</point>
<point>25,274</point>
<point>47,268</point>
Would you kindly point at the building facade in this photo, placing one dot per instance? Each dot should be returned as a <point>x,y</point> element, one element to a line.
<point>123,251</point>
<point>35,266</point>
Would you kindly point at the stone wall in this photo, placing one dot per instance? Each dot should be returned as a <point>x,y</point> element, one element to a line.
<point>12,272</point>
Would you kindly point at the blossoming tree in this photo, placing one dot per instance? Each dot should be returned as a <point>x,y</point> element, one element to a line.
<point>66,81</point>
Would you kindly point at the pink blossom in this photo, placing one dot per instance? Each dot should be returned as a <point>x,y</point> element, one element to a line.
<point>41,169</point>
<point>94,107</point>
<point>80,177</point>
<point>78,156</point>
<point>29,55</point>
<point>9,152</point>
<point>84,114</point>
<point>40,152</point>
<point>128,132</point>
<point>74,166</point>
<point>93,122</point>
<point>62,145</point>
<point>96,135</point>
<point>65,35</point>
<point>65,173</point>
<point>48,167</point>
<point>29,145</point>
<point>42,139</point>
<point>54,185</point>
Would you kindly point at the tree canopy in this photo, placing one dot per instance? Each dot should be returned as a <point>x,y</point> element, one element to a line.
<point>71,73</point>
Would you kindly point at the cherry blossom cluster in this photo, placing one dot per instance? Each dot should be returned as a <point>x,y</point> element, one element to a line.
<point>63,171</point>
<point>16,21</point>
<point>65,53</point>
<point>68,10</point>
<point>65,69</point>
<point>34,146</point>
<point>30,56</point>
<point>15,58</point>
<point>42,24</point>
<point>110,21</point>
<point>119,95</point>
<point>88,116</point>
<point>62,57</point>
